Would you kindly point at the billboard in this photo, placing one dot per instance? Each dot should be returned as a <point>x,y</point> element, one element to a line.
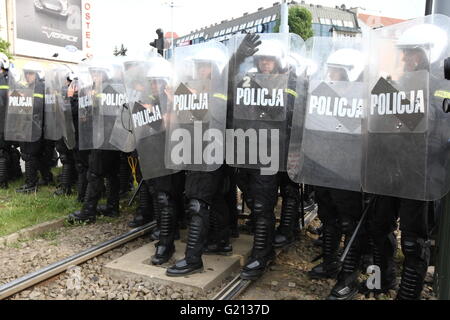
<point>45,27</point>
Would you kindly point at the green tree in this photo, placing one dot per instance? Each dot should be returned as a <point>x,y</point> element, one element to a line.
<point>121,52</point>
<point>116,52</point>
<point>4,47</point>
<point>299,21</point>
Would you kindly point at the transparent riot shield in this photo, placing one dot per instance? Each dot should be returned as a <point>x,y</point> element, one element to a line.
<point>147,84</point>
<point>406,131</point>
<point>102,98</point>
<point>85,110</point>
<point>135,71</point>
<point>266,86</point>
<point>326,141</point>
<point>58,120</point>
<point>65,115</point>
<point>198,108</point>
<point>109,102</point>
<point>53,91</point>
<point>25,109</point>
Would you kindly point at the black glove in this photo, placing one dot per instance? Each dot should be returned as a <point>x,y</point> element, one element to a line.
<point>247,48</point>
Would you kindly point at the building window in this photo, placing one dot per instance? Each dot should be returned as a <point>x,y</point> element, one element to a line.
<point>250,24</point>
<point>235,28</point>
<point>274,17</point>
<point>349,24</point>
<point>270,27</point>
<point>258,21</point>
<point>325,21</point>
<point>337,23</point>
<point>228,30</point>
<point>242,26</point>
<point>216,34</point>
<point>266,19</point>
<point>222,32</point>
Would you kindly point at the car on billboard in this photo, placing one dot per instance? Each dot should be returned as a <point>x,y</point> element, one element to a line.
<point>54,7</point>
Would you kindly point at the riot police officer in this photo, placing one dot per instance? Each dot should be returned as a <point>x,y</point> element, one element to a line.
<point>339,208</point>
<point>5,156</point>
<point>81,157</point>
<point>66,156</point>
<point>202,187</point>
<point>104,160</point>
<point>420,47</point>
<point>269,73</point>
<point>37,155</point>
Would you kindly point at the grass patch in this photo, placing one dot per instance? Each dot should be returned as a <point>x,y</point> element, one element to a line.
<point>50,235</point>
<point>18,211</point>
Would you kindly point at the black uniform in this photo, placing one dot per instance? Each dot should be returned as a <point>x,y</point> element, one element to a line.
<point>102,164</point>
<point>205,192</point>
<point>37,155</point>
<point>81,157</point>
<point>5,148</point>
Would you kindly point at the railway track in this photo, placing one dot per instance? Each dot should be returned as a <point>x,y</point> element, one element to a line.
<point>230,292</point>
<point>238,285</point>
<point>56,268</point>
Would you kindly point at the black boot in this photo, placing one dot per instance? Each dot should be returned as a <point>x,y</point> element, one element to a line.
<point>417,255</point>
<point>112,202</point>
<point>289,216</point>
<point>198,228</point>
<point>15,172</point>
<point>3,170</point>
<point>144,211</point>
<point>31,177</point>
<point>251,221</point>
<point>125,176</point>
<point>88,212</point>
<point>65,187</point>
<point>384,248</point>
<point>46,174</point>
<point>262,253</point>
<point>232,199</point>
<point>165,247</point>
<point>348,285</point>
<point>329,268</point>
<point>218,236</point>
<point>81,186</point>
<point>154,236</point>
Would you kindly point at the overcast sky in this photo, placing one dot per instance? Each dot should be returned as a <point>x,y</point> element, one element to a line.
<point>133,22</point>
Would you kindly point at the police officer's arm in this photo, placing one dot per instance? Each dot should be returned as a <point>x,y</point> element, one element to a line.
<point>247,48</point>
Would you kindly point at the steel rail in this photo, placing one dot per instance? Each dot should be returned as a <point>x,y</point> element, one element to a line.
<point>56,268</point>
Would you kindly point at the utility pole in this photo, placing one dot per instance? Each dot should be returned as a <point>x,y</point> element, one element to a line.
<point>284,14</point>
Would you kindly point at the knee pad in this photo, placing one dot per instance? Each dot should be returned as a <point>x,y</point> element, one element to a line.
<point>4,154</point>
<point>80,168</point>
<point>291,191</point>
<point>28,156</point>
<point>91,176</point>
<point>162,198</point>
<point>64,158</point>
<point>196,206</point>
<point>347,226</point>
<point>416,248</point>
<point>262,210</point>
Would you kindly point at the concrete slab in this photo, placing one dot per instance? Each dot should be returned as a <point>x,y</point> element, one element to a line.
<point>136,265</point>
